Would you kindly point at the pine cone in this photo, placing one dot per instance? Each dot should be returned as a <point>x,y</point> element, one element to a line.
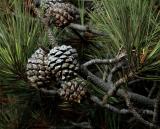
<point>63,62</point>
<point>38,72</point>
<point>59,13</point>
<point>73,90</point>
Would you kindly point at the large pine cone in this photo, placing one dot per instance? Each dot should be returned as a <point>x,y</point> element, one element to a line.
<point>63,62</point>
<point>59,13</point>
<point>73,90</point>
<point>38,72</point>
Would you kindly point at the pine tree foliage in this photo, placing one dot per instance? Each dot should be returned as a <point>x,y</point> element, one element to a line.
<point>19,37</point>
<point>130,26</point>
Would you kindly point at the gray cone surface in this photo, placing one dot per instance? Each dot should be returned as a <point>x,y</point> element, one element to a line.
<point>63,62</point>
<point>38,72</point>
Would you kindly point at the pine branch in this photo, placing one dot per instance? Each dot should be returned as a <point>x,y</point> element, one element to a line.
<point>148,112</point>
<point>134,81</point>
<point>115,109</point>
<point>117,59</point>
<point>113,70</point>
<point>135,113</point>
<point>74,125</point>
<point>106,86</point>
<point>50,92</point>
<point>113,88</point>
<point>108,106</point>
<point>83,28</point>
<point>152,90</point>
<point>79,35</point>
<point>156,116</point>
<point>85,125</point>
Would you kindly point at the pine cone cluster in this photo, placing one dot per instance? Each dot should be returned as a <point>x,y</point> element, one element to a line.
<point>63,63</point>
<point>38,72</point>
<point>73,90</point>
<point>59,64</point>
<point>59,13</point>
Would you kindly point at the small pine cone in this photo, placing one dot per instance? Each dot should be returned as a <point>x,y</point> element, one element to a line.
<point>73,90</point>
<point>63,62</point>
<point>59,13</point>
<point>38,72</point>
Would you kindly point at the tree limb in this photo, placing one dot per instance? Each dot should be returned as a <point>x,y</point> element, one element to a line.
<point>115,109</point>
<point>152,90</point>
<point>104,85</point>
<point>148,112</point>
<point>156,116</point>
<point>113,88</point>
<point>50,92</point>
<point>105,61</point>
<point>85,125</point>
<point>85,29</point>
<point>108,106</point>
<point>135,113</point>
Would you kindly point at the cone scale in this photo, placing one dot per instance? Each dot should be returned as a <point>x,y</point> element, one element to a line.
<point>38,72</point>
<point>63,62</point>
